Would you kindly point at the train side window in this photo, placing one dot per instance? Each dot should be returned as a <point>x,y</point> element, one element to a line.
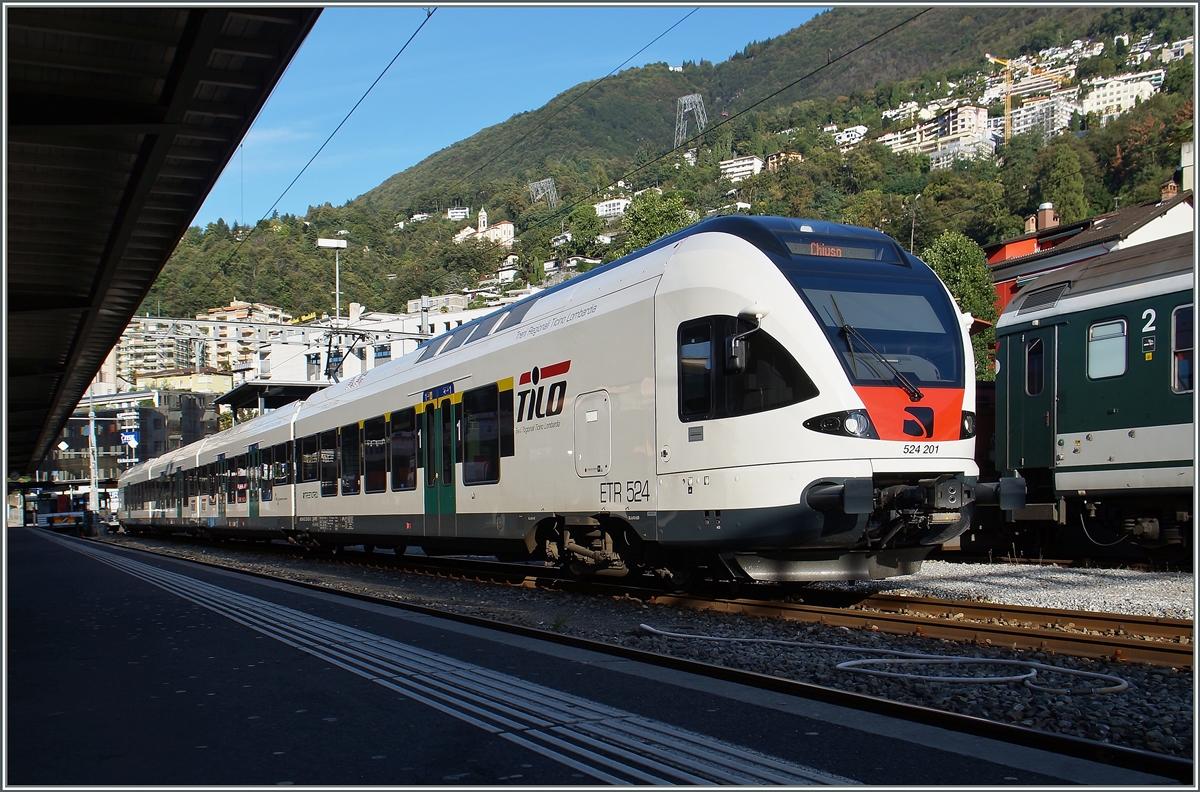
<point>695,369</point>
<point>283,464</point>
<point>309,459</point>
<point>266,478</point>
<point>1035,367</point>
<point>1182,343</point>
<point>404,450</point>
<point>771,379</point>
<point>242,479</point>
<point>1106,349</point>
<point>351,458</point>
<point>329,463</point>
<point>481,435</point>
<point>375,455</point>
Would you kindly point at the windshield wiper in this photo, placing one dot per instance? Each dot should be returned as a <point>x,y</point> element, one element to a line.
<point>914,393</point>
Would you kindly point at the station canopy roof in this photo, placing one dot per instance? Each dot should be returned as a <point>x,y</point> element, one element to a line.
<point>120,120</point>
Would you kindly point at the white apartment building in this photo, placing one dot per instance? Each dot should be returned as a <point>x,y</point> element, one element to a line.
<point>1048,115</point>
<point>613,207</point>
<point>740,168</point>
<point>972,148</point>
<point>458,213</point>
<point>1109,97</point>
<point>1176,50</point>
<point>959,127</point>
<point>453,303</point>
<point>850,137</point>
<point>236,347</point>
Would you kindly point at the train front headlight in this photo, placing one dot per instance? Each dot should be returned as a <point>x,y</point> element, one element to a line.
<point>850,423</point>
<point>967,427</point>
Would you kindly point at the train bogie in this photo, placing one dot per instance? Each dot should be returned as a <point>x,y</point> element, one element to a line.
<point>760,397</point>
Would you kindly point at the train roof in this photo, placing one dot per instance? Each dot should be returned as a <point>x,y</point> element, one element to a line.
<point>1159,267</point>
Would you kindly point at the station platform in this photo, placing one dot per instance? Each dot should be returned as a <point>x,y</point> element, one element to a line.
<point>125,669</point>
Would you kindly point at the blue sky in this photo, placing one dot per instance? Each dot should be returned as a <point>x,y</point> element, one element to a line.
<point>469,68</point>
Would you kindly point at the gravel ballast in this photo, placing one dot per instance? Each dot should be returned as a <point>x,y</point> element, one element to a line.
<point>1155,713</point>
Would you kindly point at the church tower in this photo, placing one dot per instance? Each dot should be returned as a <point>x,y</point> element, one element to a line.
<point>482,219</point>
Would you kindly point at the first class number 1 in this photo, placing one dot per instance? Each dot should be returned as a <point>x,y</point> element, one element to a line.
<point>627,492</point>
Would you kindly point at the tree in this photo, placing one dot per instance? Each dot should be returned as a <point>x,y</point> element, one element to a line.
<point>1061,181</point>
<point>584,225</point>
<point>962,266</point>
<point>652,216</point>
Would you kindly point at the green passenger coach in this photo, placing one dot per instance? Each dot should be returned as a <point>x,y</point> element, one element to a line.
<point>1095,401</point>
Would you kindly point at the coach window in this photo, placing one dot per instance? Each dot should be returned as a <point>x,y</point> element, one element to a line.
<point>266,476</point>
<point>1181,349</point>
<point>1035,367</point>
<point>242,482</point>
<point>1106,349</point>
<point>695,369</point>
<point>449,412</point>
<point>404,450</point>
<point>309,459</point>
<point>375,456</point>
<point>329,463</point>
<point>351,459</point>
<point>283,464</point>
<point>481,436</point>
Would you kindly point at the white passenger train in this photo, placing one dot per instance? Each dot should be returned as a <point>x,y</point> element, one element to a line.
<point>756,398</point>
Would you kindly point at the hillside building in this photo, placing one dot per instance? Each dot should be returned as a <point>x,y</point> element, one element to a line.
<point>957,132</point>
<point>501,233</point>
<point>740,168</point>
<point>1111,96</point>
<point>613,207</point>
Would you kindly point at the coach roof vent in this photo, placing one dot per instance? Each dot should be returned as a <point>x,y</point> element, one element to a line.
<point>1046,298</point>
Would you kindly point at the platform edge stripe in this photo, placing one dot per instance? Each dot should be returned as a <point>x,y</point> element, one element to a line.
<point>437,705</point>
<point>536,692</point>
<point>674,754</point>
<point>528,699</point>
<point>565,760</point>
<point>589,752</point>
<point>737,755</point>
<point>673,768</point>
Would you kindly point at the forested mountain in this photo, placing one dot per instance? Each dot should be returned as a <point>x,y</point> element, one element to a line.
<point>622,128</point>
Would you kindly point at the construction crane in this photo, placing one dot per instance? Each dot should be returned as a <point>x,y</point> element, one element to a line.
<point>1008,72</point>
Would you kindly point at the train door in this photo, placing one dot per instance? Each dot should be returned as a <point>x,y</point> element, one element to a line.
<point>1032,398</point>
<point>253,468</point>
<point>180,491</point>
<point>440,452</point>
<point>221,491</point>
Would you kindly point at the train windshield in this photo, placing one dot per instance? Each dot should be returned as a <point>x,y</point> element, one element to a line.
<point>887,330</point>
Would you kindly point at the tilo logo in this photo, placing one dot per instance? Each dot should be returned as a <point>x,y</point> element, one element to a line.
<point>923,426</point>
<point>530,406</point>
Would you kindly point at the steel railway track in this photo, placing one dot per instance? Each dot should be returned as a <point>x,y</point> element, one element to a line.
<point>1179,769</point>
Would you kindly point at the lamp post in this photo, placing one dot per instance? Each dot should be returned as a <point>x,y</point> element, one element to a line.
<point>912,232</point>
<point>337,245</point>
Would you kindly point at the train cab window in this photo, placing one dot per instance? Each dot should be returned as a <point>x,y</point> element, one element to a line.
<point>309,459</point>
<point>1182,343</point>
<point>1106,349</point>
<point>1035,367</point>
<point>375,455</point>
<point>266,475</point>
<point>242,478</point>
<point>282,472</point>
<point>404,450</point>
<point>710,388</point>
<point>481,436</point>
<point>351,459</point>
<point>329,463</point>
<point>771,378</point>
<point>695,369</point>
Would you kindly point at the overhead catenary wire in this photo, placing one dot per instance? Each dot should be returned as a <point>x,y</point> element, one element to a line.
<point>429,12</point>
<point>566,210</point>
<point>575,99</point>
